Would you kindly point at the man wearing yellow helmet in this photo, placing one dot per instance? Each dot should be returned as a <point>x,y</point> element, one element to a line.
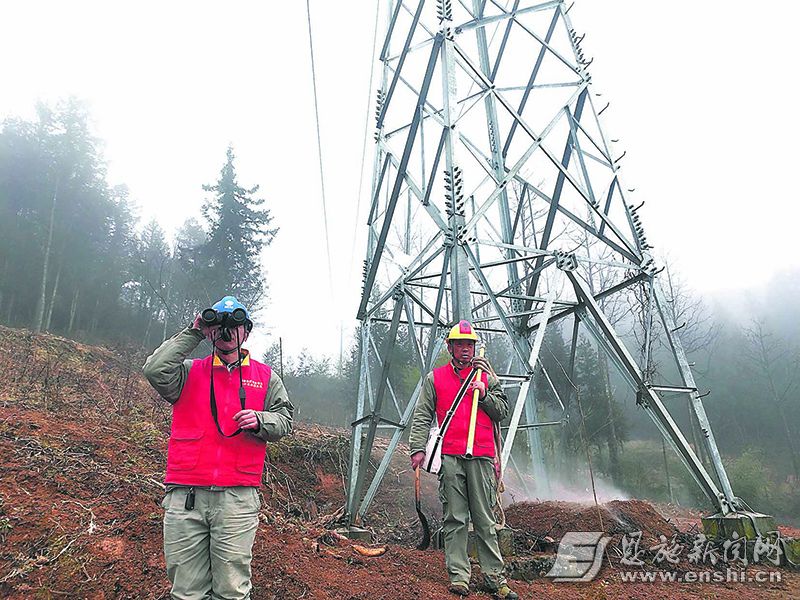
<point>467,485</point>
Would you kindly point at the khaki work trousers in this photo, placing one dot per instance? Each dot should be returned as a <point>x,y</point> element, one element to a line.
<point>208,549</point>
<point>468,491</point>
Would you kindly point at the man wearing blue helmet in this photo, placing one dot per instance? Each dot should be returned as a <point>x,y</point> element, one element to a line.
<point>225,408</point>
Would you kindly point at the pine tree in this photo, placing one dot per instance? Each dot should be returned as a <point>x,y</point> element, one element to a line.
<point>239,231</point>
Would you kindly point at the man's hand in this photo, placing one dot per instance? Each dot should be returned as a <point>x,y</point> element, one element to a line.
<point>417,459</point>
<point>199,325</point>
<point>477,385</point>
<point>247,419</point>
<point>483,363</point>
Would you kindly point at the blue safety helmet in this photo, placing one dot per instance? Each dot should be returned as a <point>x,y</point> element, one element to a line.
<point>229,304</point>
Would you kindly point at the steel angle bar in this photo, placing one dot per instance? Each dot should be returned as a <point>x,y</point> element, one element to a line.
<point>382,387</point>
<point>437,311</point>
<point>431,209</point>
<point>413,48</point>
<point>483,161</point>
<point>387,457</point>
<point>401,60</point>
<point>536,425</point>
<point>519,212</point>
<point>515,340</point>
<point>499,263</point>
<point>553,389</point>
<point>390,423</point>
<point>559,185</point>
<point>419,302</point>
<point>511,315</point>
<point>355,437</point>
<point>606,160</point>
<point>606,263</point>
<point>534,74</point>
<point>511,377</point>
<point>539,86</point>
<point>497,234</point>
<point>522,397</point>
<point>412,272</point>
<point>373,265</point>
<point>567,63</point>
<point>502,292</point>
<point>435,167</point>
<point>694,396</point>
<point>576,144</point>
<point>430,32</point>
<point>572,352</point>
<point>597,159</point>
<point>484,21</point>
<point>412,329</point>
<point>374,206</point>
<point>412,268</point>
<point>600,296</point>
<point>389,31</point>
<point>501,51</point>
<point>604,332</point>
<point>512,172</point>
<point>563,170</point>
<point>389,386</point>
<point>402,322</point>
<point>388,135</point>
<point>533,252</point>
<point>609,197</point>
<point>662,420</point>
<point>497,295</point>
<point>518,471</point>
<point>467,108</point>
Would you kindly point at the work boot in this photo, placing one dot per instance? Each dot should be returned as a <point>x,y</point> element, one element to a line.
<point>506,593</point>
<point>462,589</point>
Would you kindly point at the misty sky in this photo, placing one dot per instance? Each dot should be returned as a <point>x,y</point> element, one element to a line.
<point>700,98</point>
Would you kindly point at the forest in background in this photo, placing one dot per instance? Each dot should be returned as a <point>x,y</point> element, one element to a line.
<point>74,258</point>
<point>75,261</point>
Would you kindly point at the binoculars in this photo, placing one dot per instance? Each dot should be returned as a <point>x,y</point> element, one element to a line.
<point>225,320</point>
<point>212,317</point>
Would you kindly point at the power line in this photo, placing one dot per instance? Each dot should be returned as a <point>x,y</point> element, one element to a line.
<point>319,148</point>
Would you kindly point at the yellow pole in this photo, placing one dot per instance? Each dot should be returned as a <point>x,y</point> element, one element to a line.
<point>473,416</point>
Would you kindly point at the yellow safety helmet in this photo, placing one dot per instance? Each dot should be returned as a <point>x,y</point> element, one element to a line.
<point>462,331</point>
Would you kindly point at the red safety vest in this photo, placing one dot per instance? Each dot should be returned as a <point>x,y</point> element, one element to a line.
<point>197,453</point>
<point>447,383</point>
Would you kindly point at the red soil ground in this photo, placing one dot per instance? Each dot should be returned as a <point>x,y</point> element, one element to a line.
<point>83,442</point>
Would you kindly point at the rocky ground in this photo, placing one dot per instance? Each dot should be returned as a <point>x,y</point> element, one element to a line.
<point>83,441</point>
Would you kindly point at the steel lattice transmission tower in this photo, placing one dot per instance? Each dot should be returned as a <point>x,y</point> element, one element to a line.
<point>496,197</point>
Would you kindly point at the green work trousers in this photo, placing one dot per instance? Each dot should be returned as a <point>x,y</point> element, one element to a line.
<point>208,549</point>
<point>468,491</point>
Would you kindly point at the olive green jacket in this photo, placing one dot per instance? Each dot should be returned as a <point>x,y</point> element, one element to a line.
<point>494,404</point>
<point>167,369</point>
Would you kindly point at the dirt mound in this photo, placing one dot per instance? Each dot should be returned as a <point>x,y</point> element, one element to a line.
<point>554,518</point>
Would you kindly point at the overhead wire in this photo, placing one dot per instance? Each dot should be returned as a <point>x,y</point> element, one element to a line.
<point>364,142</point>
<point>319,147</point>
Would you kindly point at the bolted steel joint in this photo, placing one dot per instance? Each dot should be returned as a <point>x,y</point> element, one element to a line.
<point>565,261</point>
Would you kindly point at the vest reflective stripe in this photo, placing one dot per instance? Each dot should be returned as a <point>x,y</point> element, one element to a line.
<point>446,383</point>
<point>197,453</point>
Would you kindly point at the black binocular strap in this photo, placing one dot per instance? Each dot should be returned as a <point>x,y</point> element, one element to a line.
<point>212,396</point>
